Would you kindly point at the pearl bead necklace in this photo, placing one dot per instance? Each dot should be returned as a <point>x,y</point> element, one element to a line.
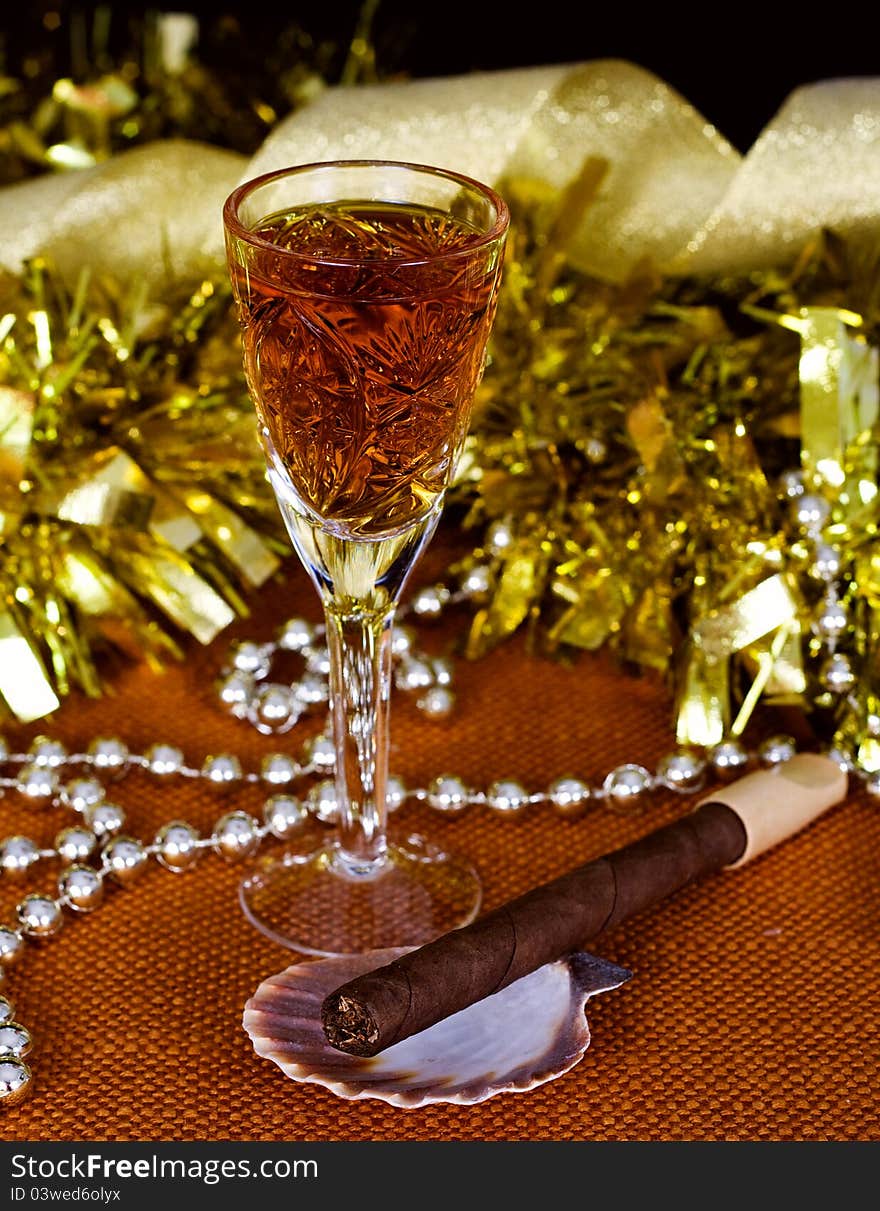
<point>95,850</point>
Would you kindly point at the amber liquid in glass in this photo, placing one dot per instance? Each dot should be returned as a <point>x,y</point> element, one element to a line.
<point>363,356</point>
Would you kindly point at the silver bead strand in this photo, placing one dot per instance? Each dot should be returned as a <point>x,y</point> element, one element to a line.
<point>836,674</point>
<point>237,834</point>
<point>245,688</point>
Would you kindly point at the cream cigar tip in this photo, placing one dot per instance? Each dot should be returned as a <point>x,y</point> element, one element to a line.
<point>773,804</point>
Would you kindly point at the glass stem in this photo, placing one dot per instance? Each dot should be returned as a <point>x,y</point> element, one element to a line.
<point>360,582</point>
<point>359,644</point>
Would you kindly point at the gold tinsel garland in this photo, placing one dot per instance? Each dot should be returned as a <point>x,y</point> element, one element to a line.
<point>133,502</point>
<point>621,478</point>
<point>95,81</point>
<point>134,507</point>
<point>625,461</point>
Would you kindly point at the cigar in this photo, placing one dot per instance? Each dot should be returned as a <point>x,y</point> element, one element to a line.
<point>727,829</point>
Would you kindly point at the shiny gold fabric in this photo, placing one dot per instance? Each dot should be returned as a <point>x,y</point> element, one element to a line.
<point>151,215</point>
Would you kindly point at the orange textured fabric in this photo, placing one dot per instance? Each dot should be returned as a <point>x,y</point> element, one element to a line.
<point>754,1010</point>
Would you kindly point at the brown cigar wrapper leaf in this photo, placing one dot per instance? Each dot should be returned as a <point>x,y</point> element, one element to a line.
<point>387,1005</point>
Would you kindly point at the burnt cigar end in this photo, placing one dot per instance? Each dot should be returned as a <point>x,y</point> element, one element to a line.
<point>348,1025</point>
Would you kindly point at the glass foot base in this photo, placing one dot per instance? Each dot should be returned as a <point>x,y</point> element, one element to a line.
<point>305,903</point>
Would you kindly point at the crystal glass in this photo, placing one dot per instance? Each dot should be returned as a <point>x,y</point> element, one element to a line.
<point>366,291</point>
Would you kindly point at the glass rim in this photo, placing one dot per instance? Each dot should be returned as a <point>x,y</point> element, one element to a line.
<point>236,227</point>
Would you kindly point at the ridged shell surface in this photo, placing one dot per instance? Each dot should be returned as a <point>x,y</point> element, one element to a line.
<point>529,1033</point>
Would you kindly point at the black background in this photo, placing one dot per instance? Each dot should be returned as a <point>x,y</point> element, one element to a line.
<point>735,62</point>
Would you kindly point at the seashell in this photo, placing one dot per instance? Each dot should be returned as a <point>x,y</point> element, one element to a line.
<point>530,1032</point>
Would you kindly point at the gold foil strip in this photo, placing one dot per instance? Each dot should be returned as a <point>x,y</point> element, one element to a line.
<point>520,585</point>
<point>24,685</point>
<point>16,427</point>
<point>868,740</point>
<point>762,609</point>
<point>859,728</point>
<point>241,545</point>
<point>118,615</point>
<point>101,504</point>
<point>768,613</point>
<point>868,754</point>
<point>703,707</point>
<point>175,587</point>
<point>112,476</point>
<point>787,680</point>
<point>653,436</point>
<point>839,399</point>
<point>9,522</point>
<point>766,660</point>
<point>185,597</point>
<point>89,585</point>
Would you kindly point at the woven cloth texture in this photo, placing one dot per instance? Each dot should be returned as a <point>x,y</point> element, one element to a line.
<point>753,1015</point>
